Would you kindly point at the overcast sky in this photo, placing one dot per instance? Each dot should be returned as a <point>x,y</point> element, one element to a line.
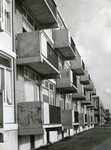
<point>89,22</point>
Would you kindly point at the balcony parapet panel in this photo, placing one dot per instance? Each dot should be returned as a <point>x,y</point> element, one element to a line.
<point>85,79</point>
<point>86,102</point>
<point>68,81</point>
<point>33,50</point>
<point>93,92</point>
<point>69,118</point>
<point>90,86</point>
<point>77,65</point>
<point>64,43</point>
<point>80,95</point>
<point>30,118</point>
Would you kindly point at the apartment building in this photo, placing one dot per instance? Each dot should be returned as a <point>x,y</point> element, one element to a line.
<point>99,111</point>
<point>107,115</point>
<point>46,92</point>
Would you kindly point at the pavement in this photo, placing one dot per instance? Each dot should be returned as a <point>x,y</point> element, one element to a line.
<point>106,145</point>
<point>98,138</point>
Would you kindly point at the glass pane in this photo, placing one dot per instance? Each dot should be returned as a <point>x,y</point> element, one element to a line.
<point>26,72</point>
<point>29,91</point>
<point>46,84</point>
<point>37,93</point>
<point>31,75</point>
<point>5,62</point>
<point>8,87</point>
<point>51,87</point>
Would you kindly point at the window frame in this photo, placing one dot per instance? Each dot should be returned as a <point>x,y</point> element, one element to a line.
<point>50,91</point>
<point>37,83</point>
<point>5,68</point>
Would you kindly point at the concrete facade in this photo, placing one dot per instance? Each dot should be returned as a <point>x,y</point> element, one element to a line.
<point>46,93</point>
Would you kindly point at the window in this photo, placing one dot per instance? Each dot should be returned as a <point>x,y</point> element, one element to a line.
<point>31,85</point>
<point>48,92</point>
<point>31,90</point>
<point>6,79</point>
<point>28,22</point>
<point>8,15</point>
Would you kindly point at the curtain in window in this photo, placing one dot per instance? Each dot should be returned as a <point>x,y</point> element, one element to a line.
<point>8,87</point>
<point>31,91</point>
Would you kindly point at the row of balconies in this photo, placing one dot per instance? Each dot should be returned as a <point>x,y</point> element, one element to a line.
<point>33,50</point>
<point>33,117</point>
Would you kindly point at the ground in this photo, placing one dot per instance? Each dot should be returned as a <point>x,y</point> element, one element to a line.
<point>83,141</point>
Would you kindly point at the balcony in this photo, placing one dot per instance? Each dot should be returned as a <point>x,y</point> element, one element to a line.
<point>44,11</point>
<point>85,79</point>
<point>86,102</point>
<point>64,43</point>
<point>93,92</point>
<point>80,94</point>
<point>96,112</point>
<point>69,118</point>
<point>90,86</point>
<point>68,81</point>
<point>91,106</point>
<point>33,50</point>
<point>30,118</point>
<point>51,116</point>
<point>34,116</point>
<point>77,65</point>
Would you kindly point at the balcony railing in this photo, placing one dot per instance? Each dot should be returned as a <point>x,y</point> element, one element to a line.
<point>77,65</point>
<point>33,50</point>
<point>52,6</point>
<point>55,114</point>
<point>68,81</point>
<point>64,43</point>
<point>47,16</point>
<point>52,56</point>
<point>51,114</point>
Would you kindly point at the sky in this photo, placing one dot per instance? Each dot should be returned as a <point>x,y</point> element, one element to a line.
<point>89,22</point>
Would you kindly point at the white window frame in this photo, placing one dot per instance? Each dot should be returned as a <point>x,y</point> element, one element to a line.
<point>49,91</point>
<point>5,68</point>
<point>34,81</point>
